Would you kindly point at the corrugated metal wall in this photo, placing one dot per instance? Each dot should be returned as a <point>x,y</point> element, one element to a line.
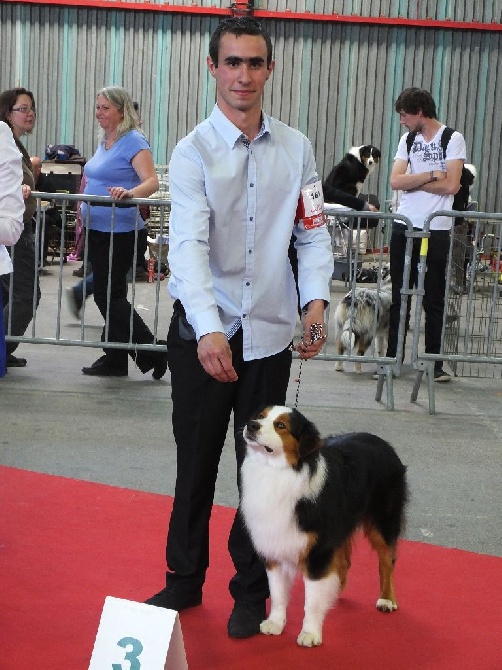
<point>337,82</point>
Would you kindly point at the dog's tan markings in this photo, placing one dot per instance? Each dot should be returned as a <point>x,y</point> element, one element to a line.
<point>282,425</point>
<point>341,561</point>
<point>386,560</point>
<point>271,565</point>
<point>303,557</point>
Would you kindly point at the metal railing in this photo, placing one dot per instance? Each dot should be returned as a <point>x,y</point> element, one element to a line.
<point>342,219</point>
<point>67,202</point>
<point>478,273</point>
<point>483,278</point>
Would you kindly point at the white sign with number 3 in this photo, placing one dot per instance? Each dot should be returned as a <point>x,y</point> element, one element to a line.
<point>135,636</point>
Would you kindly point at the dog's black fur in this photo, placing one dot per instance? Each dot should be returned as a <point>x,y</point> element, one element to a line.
<point>366,486</point>
<point>349,174</point>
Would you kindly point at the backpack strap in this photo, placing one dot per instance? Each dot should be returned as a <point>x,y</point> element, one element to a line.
<point>445,138</point>
<point>409,142</point>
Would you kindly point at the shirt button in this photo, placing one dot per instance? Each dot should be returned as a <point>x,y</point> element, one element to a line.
<point>248,283</point>
<point>251,185</point>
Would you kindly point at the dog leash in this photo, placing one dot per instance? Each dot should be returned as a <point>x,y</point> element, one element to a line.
<point>315,334</point>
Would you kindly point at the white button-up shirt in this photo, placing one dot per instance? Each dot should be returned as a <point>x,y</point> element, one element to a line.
<point>11,197</point>
<point>232,215</point>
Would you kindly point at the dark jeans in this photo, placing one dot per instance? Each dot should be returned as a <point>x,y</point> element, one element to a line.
<point>434,286</point>
<point>24,286</point>
<point>202,408</point>
<point>119,312</point>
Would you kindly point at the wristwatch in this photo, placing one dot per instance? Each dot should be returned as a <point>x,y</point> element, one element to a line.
<point>433,178</point>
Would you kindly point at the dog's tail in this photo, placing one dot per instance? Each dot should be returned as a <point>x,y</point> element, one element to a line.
<point>348,338</point>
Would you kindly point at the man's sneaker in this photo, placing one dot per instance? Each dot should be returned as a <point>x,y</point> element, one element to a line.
<point>441,376</point>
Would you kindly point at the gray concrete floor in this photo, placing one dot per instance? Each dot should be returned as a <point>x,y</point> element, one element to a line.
<point>117,431</point>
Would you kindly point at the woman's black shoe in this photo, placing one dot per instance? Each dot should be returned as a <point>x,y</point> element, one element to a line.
<point>103,367</point>
<point>15,362</point>
<point>160,367</point>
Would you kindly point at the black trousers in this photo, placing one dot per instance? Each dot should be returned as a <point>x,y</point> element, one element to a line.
<point>434,286</point>
<point>24,286</point>
<point>202,408</point>
<point>120,307</point>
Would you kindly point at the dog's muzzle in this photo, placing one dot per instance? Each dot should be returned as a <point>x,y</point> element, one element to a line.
<point>250,433</point>
<point>252,428</point>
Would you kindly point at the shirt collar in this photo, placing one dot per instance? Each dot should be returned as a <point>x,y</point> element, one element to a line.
<point>230,133</point>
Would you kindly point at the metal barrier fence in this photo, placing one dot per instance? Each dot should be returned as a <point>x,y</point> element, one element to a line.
<point>472,320</point>
<point>67,204</point>
<point>472,323</point>
<point>349,260</point>
<point>350,266</point>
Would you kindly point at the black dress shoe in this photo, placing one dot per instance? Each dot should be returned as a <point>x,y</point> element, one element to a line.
<point>104,368</point>
<point>15,362</point>
<point>245,619</point>
<point>177,599</point>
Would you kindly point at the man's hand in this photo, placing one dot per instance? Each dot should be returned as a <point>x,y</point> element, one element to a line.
<point>215,356</point>
<point>309,348</point>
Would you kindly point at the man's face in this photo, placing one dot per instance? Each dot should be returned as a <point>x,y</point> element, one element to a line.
<point>413,122</point>
<point>36,163</point>
<point>241,73</point>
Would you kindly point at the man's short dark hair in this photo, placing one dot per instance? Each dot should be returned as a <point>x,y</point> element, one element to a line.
<point>238,25</point>
<point>414,100</point>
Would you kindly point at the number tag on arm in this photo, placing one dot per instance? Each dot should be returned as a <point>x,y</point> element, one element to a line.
<point>311,206</point>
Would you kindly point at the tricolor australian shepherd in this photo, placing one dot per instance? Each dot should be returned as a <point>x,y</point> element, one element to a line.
<point>303,498</point>
<point>358,318</point>
<point>349,174</point>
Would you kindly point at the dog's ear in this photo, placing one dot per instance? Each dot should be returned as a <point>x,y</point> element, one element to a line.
<point>306,434</point>
<point>377,153</point>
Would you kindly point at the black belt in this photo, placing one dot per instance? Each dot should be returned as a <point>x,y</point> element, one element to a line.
<point>399,227</point>
<point>402,227</point>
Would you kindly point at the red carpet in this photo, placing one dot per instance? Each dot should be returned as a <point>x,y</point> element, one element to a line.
<point>66,544</point>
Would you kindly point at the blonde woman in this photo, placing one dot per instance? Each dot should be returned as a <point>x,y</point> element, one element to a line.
<point>122,167</point>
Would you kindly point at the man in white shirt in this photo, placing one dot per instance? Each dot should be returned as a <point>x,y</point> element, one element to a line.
<point>429,179</point>
<point>235,183</point>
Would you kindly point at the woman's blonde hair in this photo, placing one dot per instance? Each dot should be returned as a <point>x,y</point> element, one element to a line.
<point>121,99</point>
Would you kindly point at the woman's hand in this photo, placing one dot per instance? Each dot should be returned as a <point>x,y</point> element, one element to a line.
<point>119,192</point>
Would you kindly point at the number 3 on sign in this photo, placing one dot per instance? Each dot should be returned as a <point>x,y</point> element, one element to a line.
<point>131,655</point>
<point>161,646</point>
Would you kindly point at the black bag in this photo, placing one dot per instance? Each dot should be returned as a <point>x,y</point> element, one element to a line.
<point>61,152</point>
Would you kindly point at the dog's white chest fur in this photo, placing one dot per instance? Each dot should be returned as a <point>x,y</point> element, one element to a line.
<point>268,505</point>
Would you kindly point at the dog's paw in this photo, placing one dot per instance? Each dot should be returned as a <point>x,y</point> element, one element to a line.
<point>309,639</point>
<point>384,605</point>
<point>339,366</point>
<point>270,627</point>
<point>357,368</point>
